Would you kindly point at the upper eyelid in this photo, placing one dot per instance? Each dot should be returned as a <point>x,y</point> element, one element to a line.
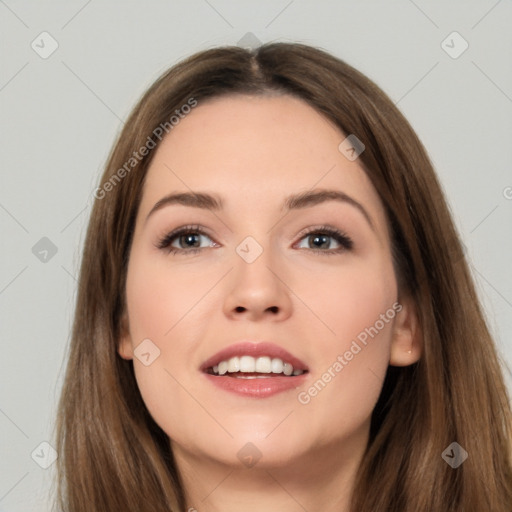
<point>205,231</point>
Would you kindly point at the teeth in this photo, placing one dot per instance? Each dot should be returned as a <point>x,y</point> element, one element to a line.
<point>277,365</point>
<point>249,364</point>
<point>234,365</point>
<point>223,367</point>
<point>263,365</point>
<point>287,369</point>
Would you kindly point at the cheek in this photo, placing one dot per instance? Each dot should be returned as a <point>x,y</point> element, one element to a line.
<point>163,307</point>
<point>349,299</point>
<point>360,307</point>
<point>160,297</point>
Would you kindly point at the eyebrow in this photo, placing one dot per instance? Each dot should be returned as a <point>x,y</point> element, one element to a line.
<point>293,202</point>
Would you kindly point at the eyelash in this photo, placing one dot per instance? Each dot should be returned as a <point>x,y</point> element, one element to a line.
<point>342,238</point>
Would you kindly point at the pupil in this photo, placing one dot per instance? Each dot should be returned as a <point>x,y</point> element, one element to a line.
<point>322,238</point>
<point>190,238</point>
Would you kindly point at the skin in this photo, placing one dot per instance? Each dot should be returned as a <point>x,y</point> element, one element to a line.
<point>254,152</point>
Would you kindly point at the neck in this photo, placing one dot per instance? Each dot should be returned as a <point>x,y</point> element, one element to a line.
<point>320,479</point>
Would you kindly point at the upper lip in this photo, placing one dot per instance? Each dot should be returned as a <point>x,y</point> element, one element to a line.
<point>254,349</point>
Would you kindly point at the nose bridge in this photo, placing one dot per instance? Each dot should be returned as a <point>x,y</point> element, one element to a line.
<point>255,288</point>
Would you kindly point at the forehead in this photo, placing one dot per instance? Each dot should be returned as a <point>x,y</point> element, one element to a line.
<point>255,150</point>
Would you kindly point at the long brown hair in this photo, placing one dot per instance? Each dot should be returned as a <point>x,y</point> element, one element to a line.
<point>113,456</point>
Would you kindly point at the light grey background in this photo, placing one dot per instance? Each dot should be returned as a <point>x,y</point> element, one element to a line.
<point>59,116</point>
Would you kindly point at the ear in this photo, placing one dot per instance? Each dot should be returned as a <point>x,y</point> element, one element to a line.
<point>407,341</point>
<point>124,345</point>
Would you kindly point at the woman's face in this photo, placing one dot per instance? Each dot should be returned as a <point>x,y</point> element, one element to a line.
<point>262,263</point>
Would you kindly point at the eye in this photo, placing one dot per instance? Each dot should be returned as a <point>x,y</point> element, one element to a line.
<point>319,239</point>
<point>188,239</point>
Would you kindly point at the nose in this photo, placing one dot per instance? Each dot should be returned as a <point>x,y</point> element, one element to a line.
<point>257,291</point>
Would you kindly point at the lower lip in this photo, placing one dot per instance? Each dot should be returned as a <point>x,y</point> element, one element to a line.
<point>258,387</point>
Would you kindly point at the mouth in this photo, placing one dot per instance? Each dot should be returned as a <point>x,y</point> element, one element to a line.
<point>255,369</point>
<point>248,367</point>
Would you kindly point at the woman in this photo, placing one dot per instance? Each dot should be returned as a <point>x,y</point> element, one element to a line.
<point>274,310</point>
